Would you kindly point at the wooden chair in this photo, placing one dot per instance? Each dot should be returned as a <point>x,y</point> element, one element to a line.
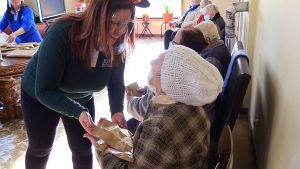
<point>225,149</point>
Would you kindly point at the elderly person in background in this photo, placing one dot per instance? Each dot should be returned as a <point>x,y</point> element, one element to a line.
<point>216,52</point>
<point>20,19</point>
<point>203,4</point>
<point>211,12</point>
<point>189,18</point>
<point>175,131</point>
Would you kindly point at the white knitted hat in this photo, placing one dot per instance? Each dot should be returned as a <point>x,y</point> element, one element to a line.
<point>187,78</point>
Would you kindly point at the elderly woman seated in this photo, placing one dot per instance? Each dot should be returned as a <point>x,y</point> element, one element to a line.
<point>216,52</point>
<point>211,12</point>
<point>203,4</point>
<point>137,105</point>
<point>175,130</point>
<point>189,18</point>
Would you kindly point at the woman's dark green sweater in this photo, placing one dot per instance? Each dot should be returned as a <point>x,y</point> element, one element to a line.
<point>62,83</point>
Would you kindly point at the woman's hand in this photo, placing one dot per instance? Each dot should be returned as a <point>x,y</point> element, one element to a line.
<point>86,121</point>
<point>13,35</point>
<point>119,119</point>
<point>11,38</point>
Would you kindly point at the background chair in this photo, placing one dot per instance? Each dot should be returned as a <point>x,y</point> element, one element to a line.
<point>229,103</point>
<point>225,149</point>
<point>234,94</point>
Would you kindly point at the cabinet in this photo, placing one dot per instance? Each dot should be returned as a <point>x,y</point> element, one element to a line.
<point>11,70</point>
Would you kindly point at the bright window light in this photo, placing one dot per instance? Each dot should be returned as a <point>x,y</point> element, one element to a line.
<point>3,6</point>
<point>156,8</point>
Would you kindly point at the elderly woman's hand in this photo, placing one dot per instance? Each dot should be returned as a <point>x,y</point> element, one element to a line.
<point>143,90</point>
<point>172,24</point>
<point>129,96</point>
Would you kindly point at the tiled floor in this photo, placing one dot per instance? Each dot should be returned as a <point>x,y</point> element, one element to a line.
<point>13,140</point>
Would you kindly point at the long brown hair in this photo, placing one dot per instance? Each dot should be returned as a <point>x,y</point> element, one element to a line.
<point>90,30</point>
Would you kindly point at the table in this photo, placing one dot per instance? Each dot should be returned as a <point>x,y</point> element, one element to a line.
<point>11,70</point>
<point>146,29</point>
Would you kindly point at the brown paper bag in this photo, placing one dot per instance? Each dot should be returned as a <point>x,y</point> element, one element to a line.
<point>114,140</point>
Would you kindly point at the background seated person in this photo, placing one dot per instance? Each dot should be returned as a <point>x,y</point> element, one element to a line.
<point>216,52</point>
<point>137,106</point>
<point>203,4</point>
<point>211,12</point>
<point>20,19</point>
<point>189,18</point>
<point>175,131</point>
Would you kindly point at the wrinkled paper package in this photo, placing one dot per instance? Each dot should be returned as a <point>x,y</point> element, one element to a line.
<point>114,140</point>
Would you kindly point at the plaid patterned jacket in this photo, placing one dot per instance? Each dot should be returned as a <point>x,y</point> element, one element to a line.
<point>172,136</point>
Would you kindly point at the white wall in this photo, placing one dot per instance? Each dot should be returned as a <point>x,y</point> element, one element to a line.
<point>223,4</point>
<point>273,44</point>
<point>70,5</point>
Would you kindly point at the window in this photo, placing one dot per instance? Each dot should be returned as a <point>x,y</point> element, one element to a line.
<point>156,8</point>
<point>3,6</point>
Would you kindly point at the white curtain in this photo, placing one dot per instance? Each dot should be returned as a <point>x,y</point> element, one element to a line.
<point>3,6</point>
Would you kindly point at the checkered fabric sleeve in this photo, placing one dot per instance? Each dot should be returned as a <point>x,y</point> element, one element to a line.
<point>171,137</point>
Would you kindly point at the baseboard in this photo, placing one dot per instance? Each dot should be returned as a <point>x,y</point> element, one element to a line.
<point>147,36</point>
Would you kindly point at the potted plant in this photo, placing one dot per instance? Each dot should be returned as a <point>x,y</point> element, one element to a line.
<point>168,15</point>
<point>145,17</point>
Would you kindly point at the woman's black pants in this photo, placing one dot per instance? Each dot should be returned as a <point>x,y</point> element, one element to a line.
<point>169,36</point>
<point>41,125</point>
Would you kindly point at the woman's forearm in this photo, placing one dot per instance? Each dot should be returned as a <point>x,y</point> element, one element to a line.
<point>13,35</point>
<point>20,31</point>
